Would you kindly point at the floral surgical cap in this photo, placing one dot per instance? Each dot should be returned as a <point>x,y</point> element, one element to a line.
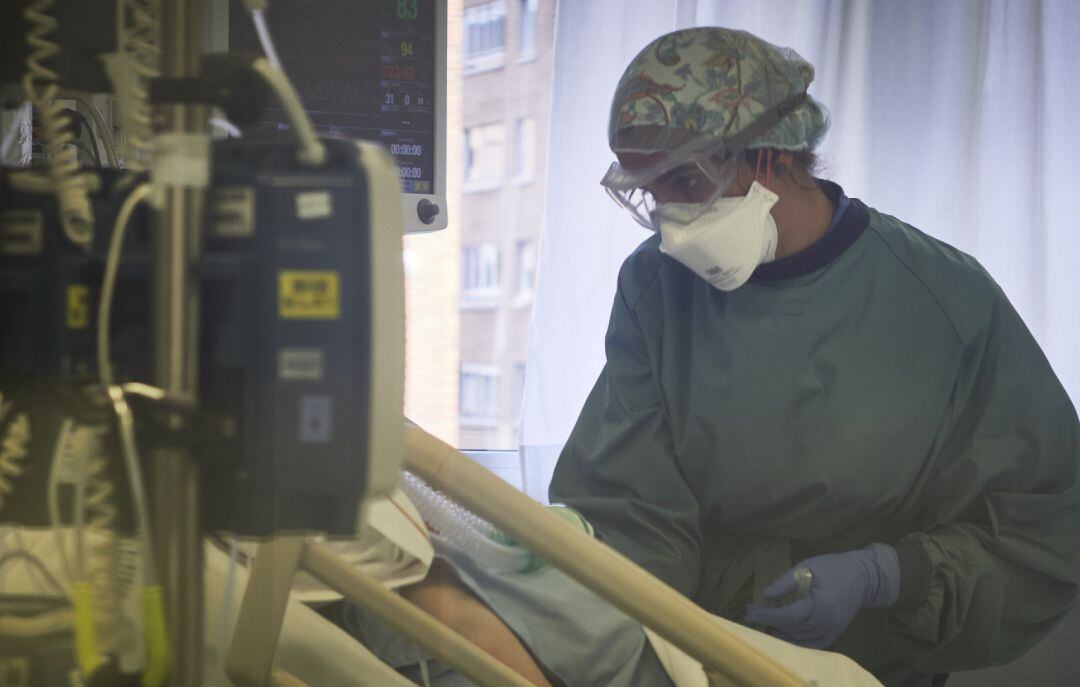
<point>712,80</point>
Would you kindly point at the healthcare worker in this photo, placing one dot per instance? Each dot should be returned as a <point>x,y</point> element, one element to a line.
<point>799,387</point>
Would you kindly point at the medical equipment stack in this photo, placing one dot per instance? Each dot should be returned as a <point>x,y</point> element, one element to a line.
<point>225,316</point>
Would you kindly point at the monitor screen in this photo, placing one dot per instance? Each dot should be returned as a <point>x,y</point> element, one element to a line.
<point>365,69</point>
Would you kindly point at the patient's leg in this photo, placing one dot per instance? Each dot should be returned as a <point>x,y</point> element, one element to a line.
<point>443,596</point>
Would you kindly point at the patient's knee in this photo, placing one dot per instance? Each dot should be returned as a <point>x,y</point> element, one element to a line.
<point>441,595</point>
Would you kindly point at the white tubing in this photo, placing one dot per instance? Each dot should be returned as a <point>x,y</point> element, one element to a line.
<point>259,19</point>
<point>464,530</point>
<point>312,151</point>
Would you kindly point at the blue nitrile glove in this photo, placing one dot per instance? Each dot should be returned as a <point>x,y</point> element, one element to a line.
<point>841,585</point>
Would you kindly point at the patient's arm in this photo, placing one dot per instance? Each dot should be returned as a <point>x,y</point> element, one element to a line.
<point>443,596</point>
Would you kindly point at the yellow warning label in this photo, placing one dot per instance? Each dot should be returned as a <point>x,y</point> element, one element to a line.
<point>78,306</point>
<point>309,294</point>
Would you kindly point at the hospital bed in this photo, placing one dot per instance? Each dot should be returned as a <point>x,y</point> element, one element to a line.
<point>696,647</point>
<point>260,631</point>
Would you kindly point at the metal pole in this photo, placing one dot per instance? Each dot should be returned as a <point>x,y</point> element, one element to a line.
<point>177,245</point>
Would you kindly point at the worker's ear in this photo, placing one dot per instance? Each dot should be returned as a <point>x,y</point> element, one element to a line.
<point>783,162</point>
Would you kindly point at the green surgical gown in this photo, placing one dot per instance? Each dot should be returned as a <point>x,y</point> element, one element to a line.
<point>876,387</point>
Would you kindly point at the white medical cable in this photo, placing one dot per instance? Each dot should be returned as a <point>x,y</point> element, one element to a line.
<point>34,563</point>
<point>225,125</point>
<point>38,626</point>
<point>126,422</point>
<point>226,604</point>
<point>267,43</point>
<point>312,151</point>
<point>131,72</point>
<point>108,283</point>
<point>14,447</point>
<point>100,572</point>
<point>79,514</point>
<point>53,499</point>
<point>100,128</point>
<point>90,150</point>
<point>30,571</point>
<point>31,181</point>
<point>134,470</point>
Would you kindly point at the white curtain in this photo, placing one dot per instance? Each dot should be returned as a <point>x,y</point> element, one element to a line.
<point>959,117</point>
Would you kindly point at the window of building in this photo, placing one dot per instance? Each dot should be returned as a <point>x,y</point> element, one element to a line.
<point>479,271</point>
<point>479,403</point>
<point>526,267</point>
<point>525,148</point>
<point>485,35</point>
<point>526,29</point>
<point>484,148</point>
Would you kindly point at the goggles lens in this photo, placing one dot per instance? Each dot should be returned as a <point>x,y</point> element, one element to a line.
<point>693,185</point>
<point>692,177</point>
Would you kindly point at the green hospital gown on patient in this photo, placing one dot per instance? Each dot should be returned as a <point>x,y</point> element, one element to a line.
<point>876,387</point>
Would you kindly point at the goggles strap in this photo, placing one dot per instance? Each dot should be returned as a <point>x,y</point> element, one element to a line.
<point>737,143</point>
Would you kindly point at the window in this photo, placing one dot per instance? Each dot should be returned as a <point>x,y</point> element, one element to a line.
<point>526,266</point>
<point>485,35</point>
<point>525,148</point>
<point>526,29</point>
<point>479,404</point>
<point>470,290</point>
<point>484,152</point>
<point>480,271</point>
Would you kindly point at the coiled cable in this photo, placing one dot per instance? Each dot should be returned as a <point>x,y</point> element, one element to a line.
<point>13,448</point>
<point>40,84</point>
<point>138,30</point>
<point>104,547</point>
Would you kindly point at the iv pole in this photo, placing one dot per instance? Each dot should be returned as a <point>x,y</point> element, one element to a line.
<point>181,165</point>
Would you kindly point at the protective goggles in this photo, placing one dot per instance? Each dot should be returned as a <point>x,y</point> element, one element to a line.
<point>691,177</point>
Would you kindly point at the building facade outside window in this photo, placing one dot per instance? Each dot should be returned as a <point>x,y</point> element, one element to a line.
<point>480,271</point>
<point>527,29</point>
<point>525,149</point>
<point>484,153</point>
<point>526,267</point>
<point>479,404</point>
<point>485,35</point>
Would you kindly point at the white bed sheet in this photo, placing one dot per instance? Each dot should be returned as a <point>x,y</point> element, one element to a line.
<point>394,548</point>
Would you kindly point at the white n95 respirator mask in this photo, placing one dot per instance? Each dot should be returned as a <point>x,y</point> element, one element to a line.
<point>724,244</point>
